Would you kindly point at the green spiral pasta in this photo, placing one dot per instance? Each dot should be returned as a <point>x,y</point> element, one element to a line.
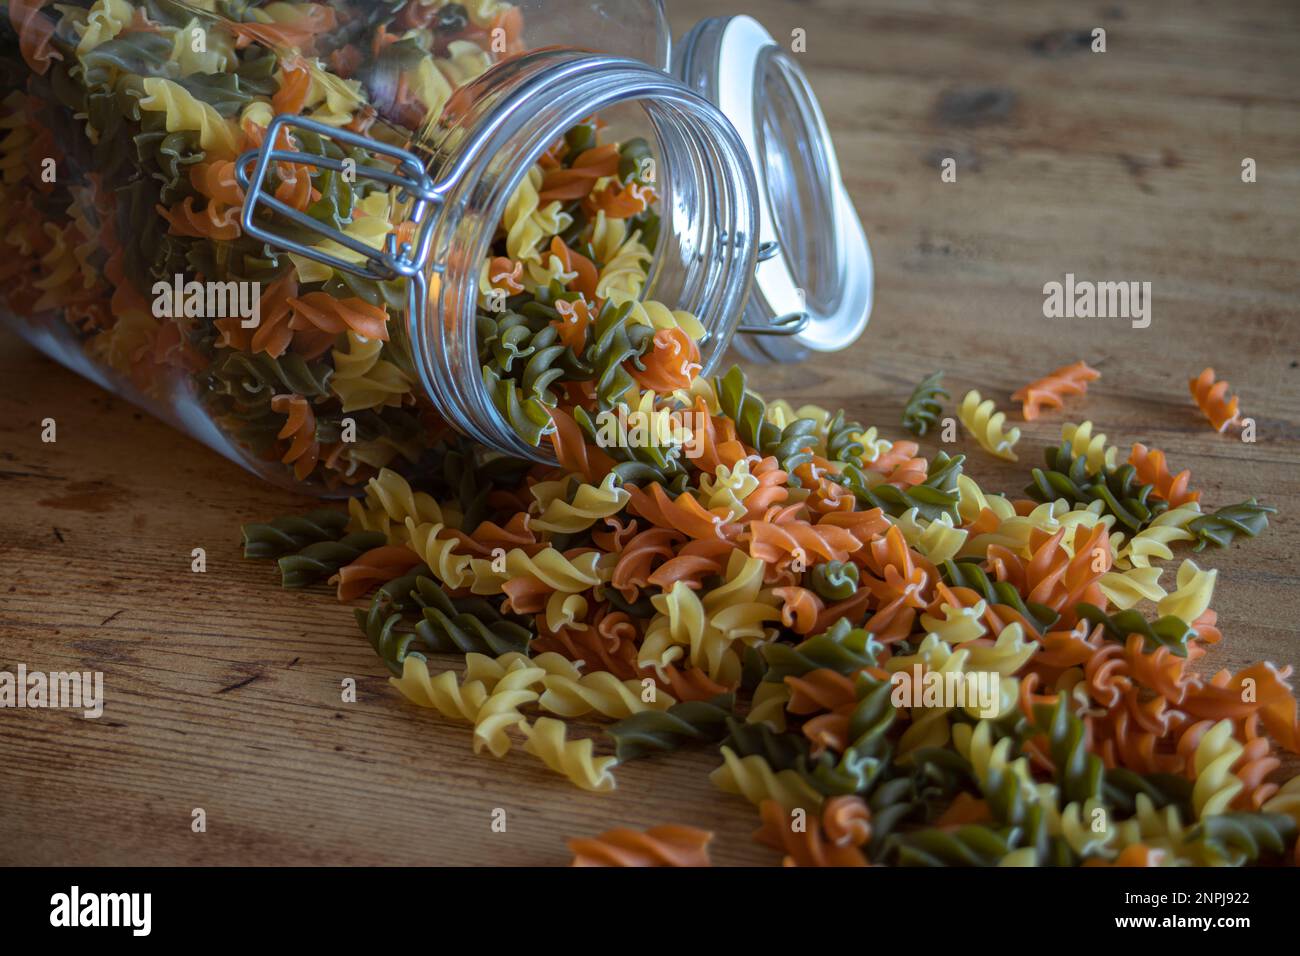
<point>935,496</point>
<point>319,561</point>
<point>834,580</point>
<point>293,533</point>
<point>1121,493</point>
<point>1244,837</point>
<point>1121,788</point>
<point>1079,774</point>
<point>1168,631</point>
<point>1220,528</point>
<point>923,407</point>
<point>842,648</point>
<point>662,731</point>
<point>464,626</point>
<point>969,574</point>
<point>968,845</point>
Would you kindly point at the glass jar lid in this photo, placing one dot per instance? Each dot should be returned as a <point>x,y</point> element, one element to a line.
<point>816,271</point>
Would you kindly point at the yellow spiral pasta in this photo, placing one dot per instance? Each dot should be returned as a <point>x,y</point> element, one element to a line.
<point>464,61</point>
<point>574,759</point>
<point>562,512</point>
<point>217,56</point>
<point>130,336</point>
<point>565,611</point>
<point>217,135</point>
<point>1216,786</point>
<point>600,692</point>
<point>982,419</point>
<point>1190,599</point>
<point>608,233</point>
<point>439,554</point>
<point>727,489</point>
<point>61,272</point>
<point>1126,588</point>
<point>657,315</point>
<point>526,224</point>
<point>938,540</point>
<point>362,379</point>
<point>1085,827</point>
<point>1153,541</point>
<point>1286,800</point>
<point>104,20</point>
<point>958,624</point>
<point>389,501</point>
<point>754,779</point>
<point>972,501</point>
<point>483,12</point>
<point>330,99</point>
<point>705,630</point>
<point>624,272</point>
<point>548,567</point>
<point>768,705</point>
<point>371,224</point>
<point>1159,829</point>
<point>490,670</point>
<point>500,712</point>
<point>1092,448</point>
<point>443,693</point>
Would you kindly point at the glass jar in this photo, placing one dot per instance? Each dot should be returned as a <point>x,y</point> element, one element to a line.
<point>194,188</point>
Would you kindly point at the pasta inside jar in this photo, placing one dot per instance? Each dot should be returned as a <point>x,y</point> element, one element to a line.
<point>125,199</point>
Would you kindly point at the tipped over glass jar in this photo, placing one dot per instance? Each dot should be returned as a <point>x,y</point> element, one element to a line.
<point>317,235</point>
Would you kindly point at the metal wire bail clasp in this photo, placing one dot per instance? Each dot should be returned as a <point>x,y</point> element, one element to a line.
<point>408,175</point>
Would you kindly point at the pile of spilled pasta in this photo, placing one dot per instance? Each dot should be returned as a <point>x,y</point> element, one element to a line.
<point>701,568</point>
<point>760,598</point>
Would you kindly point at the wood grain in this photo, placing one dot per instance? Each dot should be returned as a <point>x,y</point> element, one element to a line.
<point>223,691</point>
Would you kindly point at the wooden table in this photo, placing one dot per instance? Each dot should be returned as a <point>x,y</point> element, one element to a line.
<point>223,691</point>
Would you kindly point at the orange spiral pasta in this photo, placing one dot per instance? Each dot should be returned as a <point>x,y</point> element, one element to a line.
<point>1050,390</point>
<point>1052,576</point>
<point>1152,470</point>
<point>585,273</point>
<point>669,845</point>
<point>506,274</point>
<point>294,88</point>
<point>573,452</point>
<point>35,30</point>
<point>577,181</point>
<point>673,363</point>
<point>216,180</point>
<point>300,427</point>
<point>489,536</point>
<point>716,441</point>
<point>693,562</point>
<point>835,841</point>
<point>322,312</point>
<point>214,221</point>
<point>685,514</point>
<point>801,608</point>
<point>899,454</point>
<point>780,535</point>
<point>829,699</point>
<point>1213,400</point>
<point>571,326</point>
<point>272,334</point>
<point>373,568</point>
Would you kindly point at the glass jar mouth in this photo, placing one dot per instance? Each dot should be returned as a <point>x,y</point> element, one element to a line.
<point>706,250</point>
